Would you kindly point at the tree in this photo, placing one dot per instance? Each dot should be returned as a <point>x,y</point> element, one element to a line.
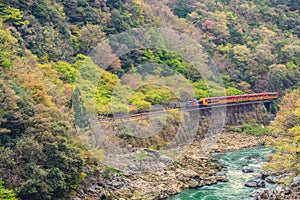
<point>89,37</point>
<point>66,71</point>
<point>12,123</point>
<point>182,9</point>
<point>201,89</point>
<point>6,194</point>
<point>241,53</point>
<point>233,91</point>
<point>80,114</point>
<point>8,48</point>
<point>36,88</point>
<point>11,15</point>
<point>287,127</point>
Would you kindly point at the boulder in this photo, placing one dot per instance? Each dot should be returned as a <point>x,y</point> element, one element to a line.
<point>115,183</point>
<point>247,169</point>
<point>261,183</point>
<point>188,173</point>
<point>192,183</point>
<point>296,181</point>
<point>221,178</point>
<point>251,183</point>
<point>265,193</point>
<point>255,183</point>
<point>276,179</point>
<point>255,193</point>
<point>264,175</point>
<point>271,179</point>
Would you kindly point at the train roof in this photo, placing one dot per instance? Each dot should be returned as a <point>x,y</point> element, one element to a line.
<point>241,95</point>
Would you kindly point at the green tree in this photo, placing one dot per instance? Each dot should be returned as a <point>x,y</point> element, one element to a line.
<point>6,194</point>
<point>233,91</point>
<point>8,48</point>
<point>9,14</point>
<point>104,92</point>
<point>138,100</point>
<point>66,71</point>
<point>201,89</point>
<point>12,123</point>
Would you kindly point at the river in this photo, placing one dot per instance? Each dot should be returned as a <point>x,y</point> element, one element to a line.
<point>234,189</point>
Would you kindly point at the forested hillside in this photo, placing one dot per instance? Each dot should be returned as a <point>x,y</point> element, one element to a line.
<point>45,43</point>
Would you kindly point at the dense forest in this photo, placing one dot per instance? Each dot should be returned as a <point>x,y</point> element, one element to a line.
<point>45,47</point>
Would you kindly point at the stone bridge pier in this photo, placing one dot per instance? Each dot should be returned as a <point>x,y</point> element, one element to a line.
<point>234,114</point>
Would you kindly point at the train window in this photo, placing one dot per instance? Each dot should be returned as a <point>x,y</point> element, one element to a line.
<point>200,102</point>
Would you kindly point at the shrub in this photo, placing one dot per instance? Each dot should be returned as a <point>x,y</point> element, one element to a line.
<point>254,129</point>
<point>236,129</point>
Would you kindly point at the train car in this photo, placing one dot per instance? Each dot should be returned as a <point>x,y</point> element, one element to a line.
<point>194,103</point>
<point>239,98</point>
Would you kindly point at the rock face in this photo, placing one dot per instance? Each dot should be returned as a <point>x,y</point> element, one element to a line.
<point>255,183</point>
<point>190,171</point>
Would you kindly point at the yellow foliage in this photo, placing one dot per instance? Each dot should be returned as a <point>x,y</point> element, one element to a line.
<point>287,126</point>
<point>37,89</point>
<point>98,154</point>
<point>286,118</point>
<point>297,110</point>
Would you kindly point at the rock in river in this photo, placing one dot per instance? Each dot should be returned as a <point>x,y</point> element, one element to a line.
<point>264,175</point>
<point>247,169</point>
<point>255,183</point>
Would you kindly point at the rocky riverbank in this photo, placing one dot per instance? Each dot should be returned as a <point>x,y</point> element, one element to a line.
<point>188,172</point>
<point>291,192</point>
<point>230,141</point>
<point>191,170</point>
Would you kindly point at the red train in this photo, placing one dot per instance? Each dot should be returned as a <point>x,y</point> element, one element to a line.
<point>231,99</point>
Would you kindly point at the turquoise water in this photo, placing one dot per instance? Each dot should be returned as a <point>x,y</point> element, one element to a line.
<point>234,189</point>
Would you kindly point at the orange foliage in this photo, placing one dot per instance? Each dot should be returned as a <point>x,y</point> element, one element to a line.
<point>36,88</point>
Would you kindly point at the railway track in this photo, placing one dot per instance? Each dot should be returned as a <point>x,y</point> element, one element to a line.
<point>139,116</point>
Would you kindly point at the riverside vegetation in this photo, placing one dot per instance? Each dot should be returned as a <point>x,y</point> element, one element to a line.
<point>44,44</point>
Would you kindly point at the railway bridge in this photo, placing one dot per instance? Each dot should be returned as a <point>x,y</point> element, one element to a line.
<point>236,113</point>
<point>153,128</point>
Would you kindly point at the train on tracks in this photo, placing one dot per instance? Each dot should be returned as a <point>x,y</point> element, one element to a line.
<point>202,103</point>
<point>193,103</point>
